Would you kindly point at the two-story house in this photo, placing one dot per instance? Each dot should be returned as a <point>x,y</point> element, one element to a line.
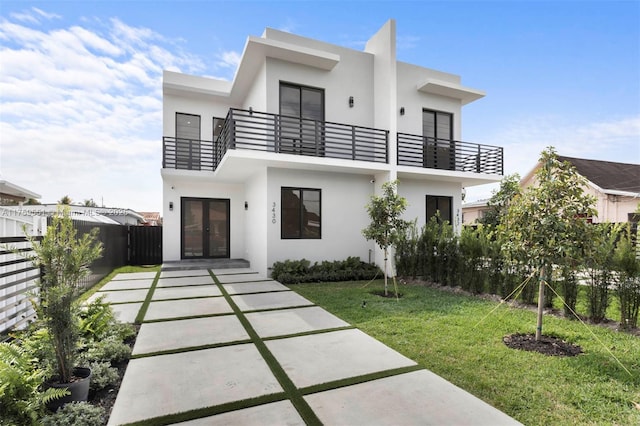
<point>280,162</point>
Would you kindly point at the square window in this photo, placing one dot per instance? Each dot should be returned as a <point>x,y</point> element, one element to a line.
<point>300,213</point>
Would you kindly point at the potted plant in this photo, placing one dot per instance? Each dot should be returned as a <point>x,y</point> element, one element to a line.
<point>64,260</point>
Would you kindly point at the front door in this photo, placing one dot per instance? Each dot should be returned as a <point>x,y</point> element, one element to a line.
<point>205,228</point>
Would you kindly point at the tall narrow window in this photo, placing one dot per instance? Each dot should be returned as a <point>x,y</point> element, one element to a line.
<point>437,130</point>
<point>187,141</point>
<point>301,121</point>
<point>441,204</point>
<point>301,209</point>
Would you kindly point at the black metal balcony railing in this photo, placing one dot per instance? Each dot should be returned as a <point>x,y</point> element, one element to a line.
<point>420,151</point>
<point>259,131</point>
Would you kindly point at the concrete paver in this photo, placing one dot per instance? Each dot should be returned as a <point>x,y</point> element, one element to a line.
<point>167,384</point>
<point>232,271</point>
<point>281,299</point>
<point>134,276</point>
<point>415,398</point>
<point>187,273</point>
<point>181,281</point>
<point>168,335</point>
<point>122,296</point>
<point>276,413</point>
<point>241,278</point>
<point>311,360</point>
<point>126,312</point>
<point>127,285</point>
<point>293,321</point>
<point>167,309</point>
<point>185,291</point>
<point>254,287</point>
<point>158,385</point>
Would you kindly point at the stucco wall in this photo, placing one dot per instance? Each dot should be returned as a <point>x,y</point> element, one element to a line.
<point>415,191</point>
<point>343,216</point>
<point>174,188</point>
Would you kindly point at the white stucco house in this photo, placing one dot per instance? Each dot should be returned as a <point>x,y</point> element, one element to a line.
<point>280,162</point>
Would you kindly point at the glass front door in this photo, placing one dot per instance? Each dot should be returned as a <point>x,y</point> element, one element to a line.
<point>205,228</point>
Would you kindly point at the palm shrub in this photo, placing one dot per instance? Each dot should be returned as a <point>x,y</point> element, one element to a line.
<point>64,260</point>
<point>628,286</point>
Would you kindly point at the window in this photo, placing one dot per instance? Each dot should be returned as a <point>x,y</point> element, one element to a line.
<point>187,141</point>
<point>187,126</point>
<point>302,115</point>
<point>218,125</point>
<point>441,204</point>
<point>437,130</point>
<point>300,215</point>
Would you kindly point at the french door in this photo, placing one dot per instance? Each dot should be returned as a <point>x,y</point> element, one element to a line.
<point>437,130</point>
<point>205,228</point>
<point>301,120</point>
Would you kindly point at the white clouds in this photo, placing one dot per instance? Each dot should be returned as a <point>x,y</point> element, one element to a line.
<point>81,108</point>
<point>34,16</point>
<point>229,59</point>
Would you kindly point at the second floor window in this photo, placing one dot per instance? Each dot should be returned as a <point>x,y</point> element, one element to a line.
<point>187,126</point>
<point>300,215</point>
<point>437,130</point>
<point>302,115</point>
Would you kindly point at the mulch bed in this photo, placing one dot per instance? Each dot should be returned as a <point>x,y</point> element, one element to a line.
<point>547,345</point>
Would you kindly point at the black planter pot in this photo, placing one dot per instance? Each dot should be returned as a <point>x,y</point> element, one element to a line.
<point>79,389</point>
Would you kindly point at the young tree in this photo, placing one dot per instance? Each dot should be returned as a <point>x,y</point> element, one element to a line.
<point>547,224</point>
<point>386,224</point>
<point>500,200</point>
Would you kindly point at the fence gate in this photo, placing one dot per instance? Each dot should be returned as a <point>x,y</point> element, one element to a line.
<point>145,245</point>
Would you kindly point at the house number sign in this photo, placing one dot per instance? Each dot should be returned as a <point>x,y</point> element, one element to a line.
<point>273,213</point>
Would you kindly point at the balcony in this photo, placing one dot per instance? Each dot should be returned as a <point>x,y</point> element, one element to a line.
<point>445,154</point>
<point>259,131</point>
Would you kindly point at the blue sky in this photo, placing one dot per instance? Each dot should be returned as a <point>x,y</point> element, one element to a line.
<point>80,82</point>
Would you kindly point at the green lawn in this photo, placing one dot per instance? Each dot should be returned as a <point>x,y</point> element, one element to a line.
<point>443,332</point>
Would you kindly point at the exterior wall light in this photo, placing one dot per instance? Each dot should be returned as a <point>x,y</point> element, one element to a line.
<point>246,205</point>
<point>401,110</point>
<point>350,101</point>
<point>170,205</point>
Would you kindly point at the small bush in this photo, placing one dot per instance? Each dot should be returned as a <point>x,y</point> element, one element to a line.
<point>110,349</point>
<point>76,414</point>
<point>297,271</point>
<point>102,375</point>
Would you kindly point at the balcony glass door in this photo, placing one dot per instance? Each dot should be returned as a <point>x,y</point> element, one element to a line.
<point>437,131</point>
<point>301,120</point>
<point>205,228</point>
<point>187,141</point>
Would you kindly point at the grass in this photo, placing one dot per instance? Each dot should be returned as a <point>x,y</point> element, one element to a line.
<point>458,338</point>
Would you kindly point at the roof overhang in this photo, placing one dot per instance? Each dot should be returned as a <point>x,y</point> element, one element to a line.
<point>13,191</point>
<point>450,90</point>
<point>256,50</point>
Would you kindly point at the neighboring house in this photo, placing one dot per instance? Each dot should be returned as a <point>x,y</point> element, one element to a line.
<point>474,211</point>
<point>151,218</point>
<point>280,162</point>
<point>11,193</point>
<point>616,186</point>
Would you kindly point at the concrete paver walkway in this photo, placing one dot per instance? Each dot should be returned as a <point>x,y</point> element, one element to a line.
<point>244,349</point>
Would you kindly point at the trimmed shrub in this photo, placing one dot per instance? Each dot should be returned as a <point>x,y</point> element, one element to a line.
<point>298,271</point>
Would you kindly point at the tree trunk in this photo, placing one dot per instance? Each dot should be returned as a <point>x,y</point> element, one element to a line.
<point>386,293</point>
<point>541,281</point>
